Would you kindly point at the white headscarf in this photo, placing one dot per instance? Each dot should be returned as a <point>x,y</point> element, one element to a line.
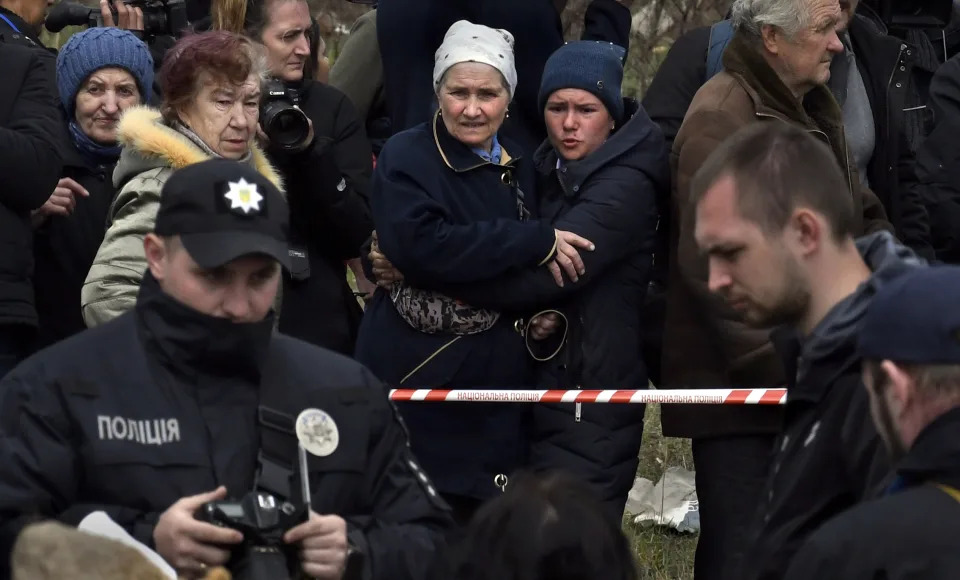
<point>468,42</point>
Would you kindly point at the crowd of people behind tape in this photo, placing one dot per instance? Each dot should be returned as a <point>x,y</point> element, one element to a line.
<point>779,210</point>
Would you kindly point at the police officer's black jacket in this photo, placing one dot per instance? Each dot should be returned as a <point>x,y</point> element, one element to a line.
<point>829,455</point>
<point>162,403</point>
<point>910,533</point>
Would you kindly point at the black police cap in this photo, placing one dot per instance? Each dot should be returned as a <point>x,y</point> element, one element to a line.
<point>223,210</point>
<point>915,319</point>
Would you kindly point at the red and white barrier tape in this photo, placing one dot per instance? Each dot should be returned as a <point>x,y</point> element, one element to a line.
<point>679,396</point>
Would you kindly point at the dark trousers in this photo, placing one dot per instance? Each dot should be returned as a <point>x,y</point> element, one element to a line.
<point>731,473</point>
<point>16,342</point>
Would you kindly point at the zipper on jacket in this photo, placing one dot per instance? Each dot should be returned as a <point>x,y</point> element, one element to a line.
<point>429,358</point>
<point>893,73</point>
<point>886,112</point>
<point>846,160</point>
<point>578,412</point>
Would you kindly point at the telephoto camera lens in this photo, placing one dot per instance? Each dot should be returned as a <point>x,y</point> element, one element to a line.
<point>286,126</point>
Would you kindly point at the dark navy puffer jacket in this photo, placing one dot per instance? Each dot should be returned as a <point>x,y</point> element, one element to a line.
<point>444,215</point>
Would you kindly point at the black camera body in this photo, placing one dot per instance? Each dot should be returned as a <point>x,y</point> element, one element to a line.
<point>160,17</point>
<point>284,123</point>
<point>263,520</point>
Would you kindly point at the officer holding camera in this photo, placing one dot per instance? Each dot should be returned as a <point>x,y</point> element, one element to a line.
<point>316,140</point>
<point>205,434</point>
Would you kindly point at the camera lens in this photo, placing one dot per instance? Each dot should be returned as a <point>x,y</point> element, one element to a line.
<point>286,126</point>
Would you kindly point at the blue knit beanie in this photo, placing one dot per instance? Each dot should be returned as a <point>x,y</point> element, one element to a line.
<point>97,48</point>
<point>593,66</point>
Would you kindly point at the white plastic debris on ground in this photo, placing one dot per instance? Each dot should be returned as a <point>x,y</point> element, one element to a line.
<point>672,502</point>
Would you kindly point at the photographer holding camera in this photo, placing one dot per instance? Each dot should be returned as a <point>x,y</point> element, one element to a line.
<point>192,398</point>
<point>313,136</point>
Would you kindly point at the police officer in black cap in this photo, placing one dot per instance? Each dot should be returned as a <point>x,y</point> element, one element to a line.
<point>192,398</point>
<point>910,342</point>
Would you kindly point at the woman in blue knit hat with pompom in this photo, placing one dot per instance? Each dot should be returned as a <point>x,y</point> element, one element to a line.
<point>100,73</point>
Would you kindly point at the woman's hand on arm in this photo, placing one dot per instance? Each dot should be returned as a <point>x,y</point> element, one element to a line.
<point>567,259</point>
<point>544,325</point>
<point>383,269</point>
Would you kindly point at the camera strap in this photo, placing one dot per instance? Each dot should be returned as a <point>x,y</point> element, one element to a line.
<point>276,457</point>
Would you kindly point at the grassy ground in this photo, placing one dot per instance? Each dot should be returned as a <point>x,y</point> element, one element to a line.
<point>661,554</point>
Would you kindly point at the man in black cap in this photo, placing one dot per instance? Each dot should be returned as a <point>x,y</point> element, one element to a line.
<point>192,398</point>
<point>910,342</point>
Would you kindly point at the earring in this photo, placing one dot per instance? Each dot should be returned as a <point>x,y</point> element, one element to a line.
<point>507,116</point>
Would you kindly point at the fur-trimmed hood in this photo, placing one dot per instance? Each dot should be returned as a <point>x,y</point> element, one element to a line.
<point>148,143</point>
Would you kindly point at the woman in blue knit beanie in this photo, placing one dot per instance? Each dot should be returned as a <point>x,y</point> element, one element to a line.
<point>101,72</point>
<point>603,168</point>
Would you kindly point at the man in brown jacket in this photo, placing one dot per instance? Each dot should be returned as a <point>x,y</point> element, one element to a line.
<point>776,69</point>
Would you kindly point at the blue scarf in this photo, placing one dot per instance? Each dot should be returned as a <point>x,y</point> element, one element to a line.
<point>495,152</point>
<point>101,154</point>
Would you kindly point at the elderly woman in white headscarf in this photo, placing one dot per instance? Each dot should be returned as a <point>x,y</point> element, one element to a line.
<point>452,203</point>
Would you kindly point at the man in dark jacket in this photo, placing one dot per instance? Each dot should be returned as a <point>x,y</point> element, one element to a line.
<point>879,84</point>
<point>938,163</point>
<point>780,249</point>
<point>30,133</point>
<point>772,75</point>
<point>908,339</point>
<point>409,32</point>
<point>219,406</point>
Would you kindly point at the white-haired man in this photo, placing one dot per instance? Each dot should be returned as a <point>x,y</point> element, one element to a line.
<point>776,68</point>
